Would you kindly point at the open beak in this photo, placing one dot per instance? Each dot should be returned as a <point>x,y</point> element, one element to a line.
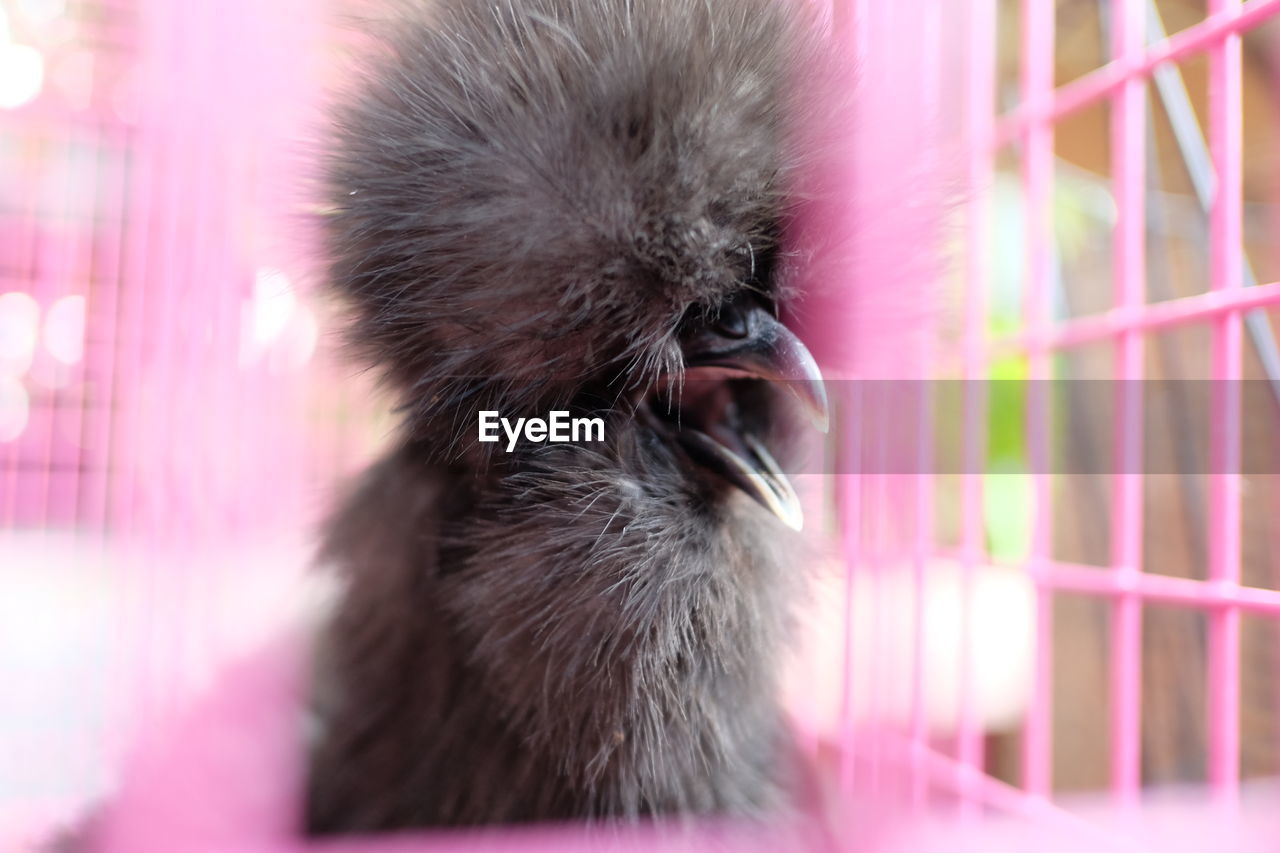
<point>751,344</point>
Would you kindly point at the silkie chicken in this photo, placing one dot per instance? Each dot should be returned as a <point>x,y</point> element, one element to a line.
<point>585,206</point>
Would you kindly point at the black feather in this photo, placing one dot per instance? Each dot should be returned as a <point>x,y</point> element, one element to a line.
<point>527,199</point>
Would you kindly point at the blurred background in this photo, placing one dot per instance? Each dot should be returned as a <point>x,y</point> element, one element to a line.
<point>174,413</point>
<point>172,417</point>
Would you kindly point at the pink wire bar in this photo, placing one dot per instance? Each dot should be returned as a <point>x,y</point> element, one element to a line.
<point>1128,157</point>
<point>1154,589</point>
<point>1226,272</point>
<point>947,774</point>
<point>1212,305</point>
<point>980,105</point>
<point>1210,595</point>
<point>1037,182</point>
<point>1103,82</point>
<point>849,506</point>
<point>925,493</point>
<point>849,22</point>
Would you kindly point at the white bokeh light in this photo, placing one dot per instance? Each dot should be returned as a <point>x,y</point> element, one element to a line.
<point>64,329</point>
<point>270,321</point>
<point>21,75</point>
<point>303,335</point>
<point>273,303</point>
<point>41,12</point>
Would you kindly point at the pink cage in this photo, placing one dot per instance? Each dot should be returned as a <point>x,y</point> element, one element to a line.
<point>1018,643</point>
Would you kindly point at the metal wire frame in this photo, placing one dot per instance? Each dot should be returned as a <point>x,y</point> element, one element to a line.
<point>1123,584</point>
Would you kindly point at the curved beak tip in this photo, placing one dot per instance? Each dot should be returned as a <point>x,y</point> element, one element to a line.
<point>816,405</point>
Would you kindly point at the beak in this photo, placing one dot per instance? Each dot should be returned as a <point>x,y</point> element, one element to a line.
<point>751,343</point>
<point>768,350</point>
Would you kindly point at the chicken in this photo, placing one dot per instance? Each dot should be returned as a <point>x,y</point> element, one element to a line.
<point>575,206</point>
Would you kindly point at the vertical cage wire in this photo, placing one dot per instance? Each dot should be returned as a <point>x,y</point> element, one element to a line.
<point>1037,75</point>
<point>980,91</point>
<point>1226,277</point>
<point>1137,54</point>
<point>1128,153</point>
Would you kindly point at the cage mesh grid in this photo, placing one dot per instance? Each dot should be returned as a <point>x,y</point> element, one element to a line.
<point>165,392</point>
<point>1124,586</point>
<point>127,402</point>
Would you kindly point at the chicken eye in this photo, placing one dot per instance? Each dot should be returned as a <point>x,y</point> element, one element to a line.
<point>734,319</point>
<point>731,322</point>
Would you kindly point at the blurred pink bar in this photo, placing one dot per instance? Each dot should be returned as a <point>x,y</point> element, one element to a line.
<point>1096,85</point>
<point>968,782</point>
<point>922,487</point>
<point>1226,274</point>
<point>849,509</point>
<point>1208,596</point>
<point>1144,318</point>
<point>1037,187</point>
<point>849,19</point>
<point>980,91</point>
<point>1128,157</point>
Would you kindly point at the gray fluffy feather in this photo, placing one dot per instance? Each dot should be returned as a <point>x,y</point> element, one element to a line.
<point>527,197</point>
